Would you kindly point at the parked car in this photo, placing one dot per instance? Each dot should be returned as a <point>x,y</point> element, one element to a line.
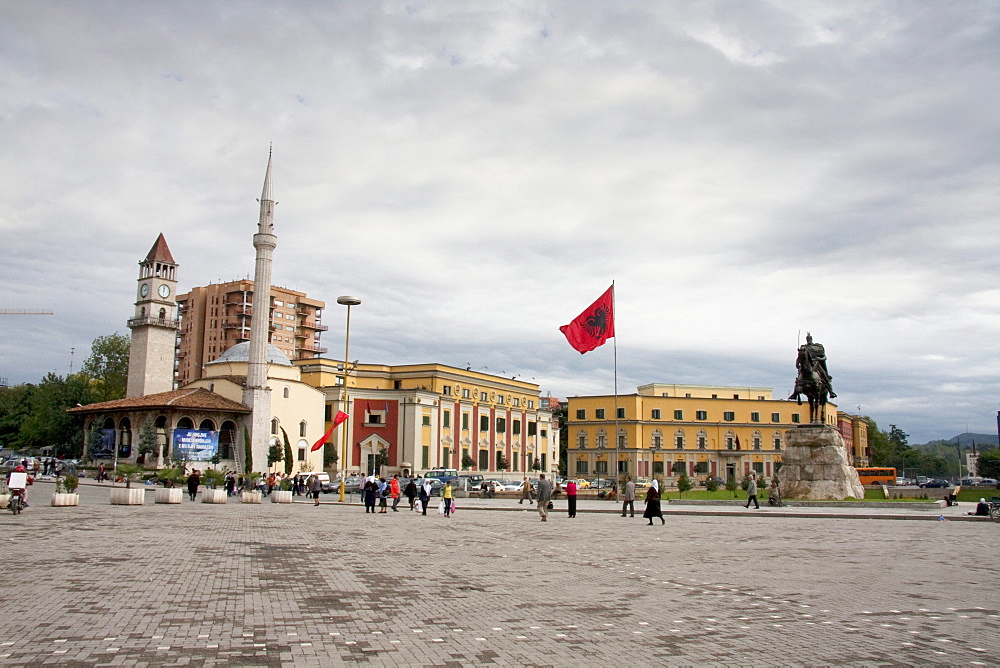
<point>582,484</point>
<point>936,483</point>
<point>601,483</point>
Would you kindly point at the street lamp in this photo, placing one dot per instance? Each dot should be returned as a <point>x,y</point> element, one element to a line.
<point>347,301</point>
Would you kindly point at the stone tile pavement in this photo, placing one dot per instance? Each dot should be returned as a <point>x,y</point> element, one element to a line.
<point>199,584</point>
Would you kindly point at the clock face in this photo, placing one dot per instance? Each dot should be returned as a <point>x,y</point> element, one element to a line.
<point>164,291</point>
<point>144,289</point>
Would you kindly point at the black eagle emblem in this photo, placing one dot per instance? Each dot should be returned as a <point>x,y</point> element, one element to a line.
<point>597,322</point>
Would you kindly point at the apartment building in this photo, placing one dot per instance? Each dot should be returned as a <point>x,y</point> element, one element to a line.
<point>215,317</point>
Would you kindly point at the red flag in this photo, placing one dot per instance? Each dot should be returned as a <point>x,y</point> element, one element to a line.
<point>338,418</point>
<point>594,326</point>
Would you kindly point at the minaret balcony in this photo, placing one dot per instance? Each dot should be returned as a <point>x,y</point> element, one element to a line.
<point>313,325</point>
<point>155,322</point>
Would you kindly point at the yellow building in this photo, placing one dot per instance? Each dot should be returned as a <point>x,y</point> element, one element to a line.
<point>665,429</point>
<point>424,416</point>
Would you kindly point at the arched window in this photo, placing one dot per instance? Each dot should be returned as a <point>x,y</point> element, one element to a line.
<point>185,423</point>
<point>622,438</point>
<point>274,425</point>
<point>284,392</point>
<point>125,438</point>
<point>679,439</point>
<point>163,314</point>
<point>227,440</point>
<point>756,441</point>
<point>657,439</point>
<point>207,425</point>
<point>702,439</point>
<point>777,440</point>
<point>581,439</point>
<point>302,426</point>
<point>602,438</point>
<point>730,439</point>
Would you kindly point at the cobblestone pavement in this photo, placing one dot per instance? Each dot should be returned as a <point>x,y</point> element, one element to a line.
<point>272,584</point>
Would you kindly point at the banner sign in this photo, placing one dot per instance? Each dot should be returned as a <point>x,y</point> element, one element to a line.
<point>196,444</point>
<point>105,447</point>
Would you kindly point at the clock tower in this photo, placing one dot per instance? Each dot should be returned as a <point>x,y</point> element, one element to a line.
<point>154,325</point>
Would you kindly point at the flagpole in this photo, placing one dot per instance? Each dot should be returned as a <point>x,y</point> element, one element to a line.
<point>617,443</point>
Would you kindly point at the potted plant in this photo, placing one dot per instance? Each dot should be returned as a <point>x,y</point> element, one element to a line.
<point>284,492</point>
<point>215,482</point>
<point>65,494</point>
<point>251,494</point>
<point>126,496</point>
<point>169,493</point>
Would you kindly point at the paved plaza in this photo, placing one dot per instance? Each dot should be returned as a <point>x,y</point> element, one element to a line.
<point>274,584</point>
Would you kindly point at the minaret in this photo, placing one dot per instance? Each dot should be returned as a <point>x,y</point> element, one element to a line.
<point>257,395</point>
<point>154,326</point>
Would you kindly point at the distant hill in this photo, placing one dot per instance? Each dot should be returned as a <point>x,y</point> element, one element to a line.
<point>965,441</point>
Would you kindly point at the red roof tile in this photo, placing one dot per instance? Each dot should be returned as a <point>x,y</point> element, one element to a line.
<point>194,398</point>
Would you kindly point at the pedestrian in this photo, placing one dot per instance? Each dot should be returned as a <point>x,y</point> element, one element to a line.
<point>394,492</point>
<point>447,497</point>
<point>272,480</point>
<point>101,475</point>
<point>544,496</point>
<point>230,484</point>
<point>192,482</point>
<point>425,495</point>
<point>526,493</point>
<point>370,490</point>
<point>752,492</point>
<point>653,503</point>
<point>315,486</point>
<point>773,494</point>
<point>571,498</point>
<point>383,492</point>
<point>410,491</point>
<point>628,498</point>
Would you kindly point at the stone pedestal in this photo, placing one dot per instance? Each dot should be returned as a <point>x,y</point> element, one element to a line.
<point>815,466</point>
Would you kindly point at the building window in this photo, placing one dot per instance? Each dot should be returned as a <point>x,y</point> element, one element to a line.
<point>658,468</point>
<point>285,392</point>
<point>426,420</point>
<point>484,460</point>
<point>701,415</point>
<point>602,439</point>
<point>758,468</point>
<point>501,425</point>
<point>465,422</point>
<point>600,467</point>
<point>775,417</point>
<point>545,433</point>
<point>532,428</point>
<point>678,415</point>
<point>466,393</point>
<point>302,454</point>
<point>730,442</point>
<point>531,403</point>
<point>373,417</point>
<point>581,414</point>
<point>302,428</point>
<point>599,414</point>
<point>581,440</point>
<point>622,440</point>
<point>755,417</point>
<point>425,457</point>
<point>679,439</point>
<point>517,402</point>
<point>446,416</point>
<point>777,443</point>
<point>499,455</point>
<point>446,389</point>
<point>621,413</point>
<point>757,445</point>
<point>274,426</point>
<point>657,439</point>
<point>702,440</point>
<point>729,416</point>
<point>500,399</point>
<point>581,467</point>
<point>656,414</point>
<point>515,427</point>
<point>795,417</point>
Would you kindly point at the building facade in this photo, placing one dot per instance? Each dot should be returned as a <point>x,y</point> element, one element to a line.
<point>154,324</point>
<point>424,416</point>
<point>664,430</point>
<point>854,430</point>
<point>214,318</point>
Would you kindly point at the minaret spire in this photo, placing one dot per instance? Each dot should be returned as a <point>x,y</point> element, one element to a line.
<point>257,395</point>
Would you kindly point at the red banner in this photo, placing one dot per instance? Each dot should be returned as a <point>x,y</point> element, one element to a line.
<point>594,326</point>
<point>340,417</point>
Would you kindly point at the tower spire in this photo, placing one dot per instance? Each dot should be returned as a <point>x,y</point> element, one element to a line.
<point>266,224</point>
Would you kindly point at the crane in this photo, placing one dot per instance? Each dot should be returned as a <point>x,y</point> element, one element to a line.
<point>24,311</point>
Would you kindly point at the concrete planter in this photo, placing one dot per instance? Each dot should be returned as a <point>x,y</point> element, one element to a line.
<point>250,497</point>
<point>281,496</point>
<point>63,499</point>
<point>213,496</point>
<point>4,500</point>
<point>169,495</point>
<point>124,496</point>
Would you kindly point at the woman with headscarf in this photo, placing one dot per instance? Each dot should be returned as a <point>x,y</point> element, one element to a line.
<point>653,503</point>
<point>370,490</point>
<point>425,495</point>
<point>410,491</point>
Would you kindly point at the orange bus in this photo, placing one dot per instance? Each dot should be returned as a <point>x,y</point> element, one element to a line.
<point>877,476</point>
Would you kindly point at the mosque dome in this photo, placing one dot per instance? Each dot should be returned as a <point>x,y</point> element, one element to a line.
<point>241,353</point>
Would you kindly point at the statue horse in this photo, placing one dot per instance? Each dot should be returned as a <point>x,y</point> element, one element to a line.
<point>817,393</point>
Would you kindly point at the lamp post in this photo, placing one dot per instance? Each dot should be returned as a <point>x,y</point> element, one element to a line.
<point>347,301</point>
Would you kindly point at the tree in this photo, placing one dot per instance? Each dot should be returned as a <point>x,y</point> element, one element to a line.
<point>988,464</point>
<point>501,461</point>
<point>274,454</point>
<point>330,456</point>
<point>467,461</point>
<point>712,484</point>
<point>684,483</point>
<point>732,485</point>
<point>289,461</point>
<point>381,459</point>
<point>147,439</point>
<point>107,366</point>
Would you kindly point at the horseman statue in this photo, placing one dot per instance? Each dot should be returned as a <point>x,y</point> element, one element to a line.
<point>813,380</point>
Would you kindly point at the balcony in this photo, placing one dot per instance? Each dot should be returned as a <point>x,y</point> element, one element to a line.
<point>316,348</point>
<point>313,325</point>
<point>155,322</point>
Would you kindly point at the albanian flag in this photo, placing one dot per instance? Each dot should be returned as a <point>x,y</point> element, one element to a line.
<point>594,326</point>
<point>338,418</point>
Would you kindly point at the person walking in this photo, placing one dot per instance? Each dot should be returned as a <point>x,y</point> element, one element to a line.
<point>526,491</point>
<point>544,496</point>
<point>101,474</point>
<point>628,498</point>
<point>410,491</point>
<point>192,482</point>
<point>394,492</point>
<point>571,498</point>
<point>383,492</point>
<point>447,497</point>
<point>315,487</point>
<point>752,492</point>
<point>653,503</point>
<point>370,490</point>
<point>425,495</point>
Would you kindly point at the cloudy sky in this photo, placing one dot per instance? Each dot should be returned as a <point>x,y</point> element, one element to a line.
<point>478,173</point>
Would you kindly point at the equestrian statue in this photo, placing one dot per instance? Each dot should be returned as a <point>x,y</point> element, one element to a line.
<point>813,379</point>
